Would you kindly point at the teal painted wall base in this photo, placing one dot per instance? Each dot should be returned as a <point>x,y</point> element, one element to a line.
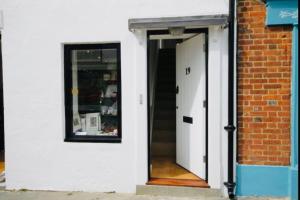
<point>262,180</point>
<point>293,183</point>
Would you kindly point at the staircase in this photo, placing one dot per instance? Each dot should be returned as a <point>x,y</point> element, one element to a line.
<point>164,127</point>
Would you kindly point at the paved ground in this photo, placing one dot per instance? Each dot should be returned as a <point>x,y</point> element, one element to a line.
<point>43,195</point>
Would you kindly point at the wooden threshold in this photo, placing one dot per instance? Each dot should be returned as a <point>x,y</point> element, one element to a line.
<point>2,165</point>
<point>178,182</point>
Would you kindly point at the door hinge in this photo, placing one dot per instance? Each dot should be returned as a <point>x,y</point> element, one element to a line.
<point>204,104</point>
<point>204,159</point>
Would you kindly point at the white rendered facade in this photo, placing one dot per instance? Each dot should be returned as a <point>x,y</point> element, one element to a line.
<point>33,35</point>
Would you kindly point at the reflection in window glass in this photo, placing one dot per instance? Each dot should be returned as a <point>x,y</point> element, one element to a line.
<point>95,91</point>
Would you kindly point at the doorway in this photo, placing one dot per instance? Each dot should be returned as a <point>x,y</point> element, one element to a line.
<point>177,107</point>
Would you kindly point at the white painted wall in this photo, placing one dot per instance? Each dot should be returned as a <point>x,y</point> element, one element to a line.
<point>1,19</point>
<point>217,72</point>
<point>33,34</point>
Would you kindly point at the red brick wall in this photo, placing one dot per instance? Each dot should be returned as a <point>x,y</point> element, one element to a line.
<point>264,76</point>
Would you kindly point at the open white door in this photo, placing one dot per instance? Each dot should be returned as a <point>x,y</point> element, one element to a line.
<point>190,112</point>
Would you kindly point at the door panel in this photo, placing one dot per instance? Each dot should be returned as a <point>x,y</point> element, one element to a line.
<point>190,113</point>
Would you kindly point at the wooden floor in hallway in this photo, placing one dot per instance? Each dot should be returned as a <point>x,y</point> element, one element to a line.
<point>1,167</point>
<point>166,167</point>
<point>1,161</point>
<point>165,171</point>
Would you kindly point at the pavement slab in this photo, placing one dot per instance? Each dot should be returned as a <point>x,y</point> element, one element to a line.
<point>49,195</point>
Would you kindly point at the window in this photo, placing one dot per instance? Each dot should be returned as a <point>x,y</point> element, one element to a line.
<point>93,92</point>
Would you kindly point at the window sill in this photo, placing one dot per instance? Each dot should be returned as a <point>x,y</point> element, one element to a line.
<point>92,139</point>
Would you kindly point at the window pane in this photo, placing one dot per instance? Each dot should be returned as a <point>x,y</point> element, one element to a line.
<point>95,92</point>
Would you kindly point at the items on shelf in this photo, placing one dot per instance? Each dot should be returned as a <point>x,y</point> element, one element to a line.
<point>113,110</point>
<point>97,102</point>
<point>109,110</point>
<point>106,77</point>
<point>114,75</point>
<point>93,124</point>
<point>76,123</point>
<point>111,91</point>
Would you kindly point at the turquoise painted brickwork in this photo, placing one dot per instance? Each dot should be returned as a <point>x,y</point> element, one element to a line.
<point>261,180</point>
<point>282,12</point>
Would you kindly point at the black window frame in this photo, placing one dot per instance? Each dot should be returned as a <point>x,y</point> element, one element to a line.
<point>69,135</point>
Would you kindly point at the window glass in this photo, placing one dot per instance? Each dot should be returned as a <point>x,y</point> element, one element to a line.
<point>95,91</point>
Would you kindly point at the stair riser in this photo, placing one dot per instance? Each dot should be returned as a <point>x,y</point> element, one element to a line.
<point>164,138</point>
<point>166,90</point>
<point>164,126</point>
<point>159,114</point>
<point>167,63</point>
<point>163,149</point>
<point>165,97</point>
<point>170,68</point>
<point>171,91</point>
<point>160,93</point>
<point>165,85</point>
<point>161,117</point>
<point>170,106</point>
<point>168,75</point>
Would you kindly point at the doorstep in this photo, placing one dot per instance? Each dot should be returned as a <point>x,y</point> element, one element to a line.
<point>178,191</point>
<point>178,182</point>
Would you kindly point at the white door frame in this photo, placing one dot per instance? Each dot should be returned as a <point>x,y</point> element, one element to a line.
<point>217,106</point>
